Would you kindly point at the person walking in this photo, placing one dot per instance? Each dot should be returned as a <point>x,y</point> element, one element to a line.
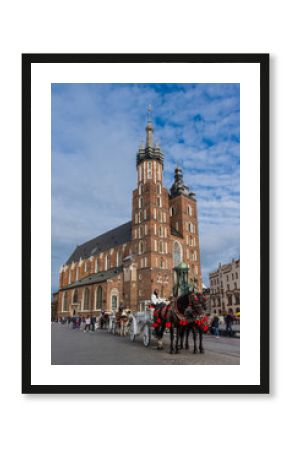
<point>229,322</point>
<point>93,324</point>
<point>87,324</point>
<point>215,327</point>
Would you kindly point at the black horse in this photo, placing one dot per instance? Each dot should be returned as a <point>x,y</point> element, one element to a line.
<point>195,321</point>
<point>185,313</point>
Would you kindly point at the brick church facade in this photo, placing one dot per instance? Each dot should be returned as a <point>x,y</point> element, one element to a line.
<point>126,264</point>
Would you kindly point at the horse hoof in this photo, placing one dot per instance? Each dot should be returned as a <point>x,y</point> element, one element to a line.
<point>194,351</point>
<point>176,351</point>
<point>201,350</point>
<point>186,347</point>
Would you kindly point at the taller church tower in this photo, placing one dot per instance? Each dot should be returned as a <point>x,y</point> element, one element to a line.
<point>150,222</point>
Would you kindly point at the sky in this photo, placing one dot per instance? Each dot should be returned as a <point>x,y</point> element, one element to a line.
<point>96,132</point>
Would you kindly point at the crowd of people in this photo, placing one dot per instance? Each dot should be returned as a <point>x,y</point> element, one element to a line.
<point>86,323</point>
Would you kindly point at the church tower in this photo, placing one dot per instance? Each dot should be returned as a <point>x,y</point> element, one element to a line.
<point>150,222</point>
<point>184,223</point>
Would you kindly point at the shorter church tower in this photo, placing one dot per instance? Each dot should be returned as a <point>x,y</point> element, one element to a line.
<point>184,226</point>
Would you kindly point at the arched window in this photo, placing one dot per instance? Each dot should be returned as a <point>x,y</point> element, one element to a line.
<point>149,169</point>
<point>99,303</point>
<point>108,262</point>
<point>64,302</point>
<point>114,299</point>
<point>177,253</point>
<point>96,266</point>
<point>75,296</point>
<point>140,188</point>
<point>141,247</point>
<point>86,300</point>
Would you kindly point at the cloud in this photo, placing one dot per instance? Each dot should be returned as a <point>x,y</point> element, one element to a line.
<point>96,130</point>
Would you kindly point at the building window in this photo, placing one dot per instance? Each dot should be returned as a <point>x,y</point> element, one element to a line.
<point>64,302</point>
<point>164,217</point>
<point>119,258</point>
<point>141,202</point>
<point>159,188</point>
<point>86,300</point>
<point>96,266</point>
<point>154,213</point>
<point>141,247</point>
<point>176,226</point>
<point>161,263</point>
<point>136,218</point>
<point>237,276</point>
<point>114,299</point>
<point>228,287</point>
<point>227,278</point>
<point>190,227</point>
<point>159,202</point>
<point>190,241</point>
<point>107,262</point>
<point>160,231</point>
<point>77,273</point>
<point>171,211</point>
<point>155,245</point>
<point>86,266</point>
<point>189,210</point>
<point>145,214</point>
<point>177,253</point>
<point>145,261</point>
<point>146,229</point>
<point>69,277</point>
<point>140,188</point>
<point>75,296</point>
<point>149,169</point>
<point>99,302</point>
<point>235,284</point>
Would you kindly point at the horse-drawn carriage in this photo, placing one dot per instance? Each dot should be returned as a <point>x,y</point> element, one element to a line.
<point>140,323</point>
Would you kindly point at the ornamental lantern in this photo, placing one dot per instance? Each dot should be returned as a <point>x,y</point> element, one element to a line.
<point>181,286</point>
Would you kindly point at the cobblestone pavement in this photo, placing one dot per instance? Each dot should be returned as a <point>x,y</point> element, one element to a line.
<point>70,346</point>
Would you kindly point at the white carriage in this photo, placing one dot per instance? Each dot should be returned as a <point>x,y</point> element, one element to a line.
<point>140,323</point>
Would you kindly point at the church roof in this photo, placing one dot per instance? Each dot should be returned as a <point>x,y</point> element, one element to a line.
<point>96,278</point>
<point>110,239</point>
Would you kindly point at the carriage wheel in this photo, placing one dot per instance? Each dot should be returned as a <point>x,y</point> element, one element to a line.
<point>146,335</point>
<point>132,335</point>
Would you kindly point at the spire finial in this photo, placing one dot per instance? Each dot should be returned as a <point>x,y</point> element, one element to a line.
<point>149,113</point>
<point>149,128</point>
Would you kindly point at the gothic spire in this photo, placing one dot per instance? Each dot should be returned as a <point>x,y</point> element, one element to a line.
<point>150,151</point>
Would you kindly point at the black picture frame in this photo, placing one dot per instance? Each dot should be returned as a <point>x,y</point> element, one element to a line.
<point>27,61</point>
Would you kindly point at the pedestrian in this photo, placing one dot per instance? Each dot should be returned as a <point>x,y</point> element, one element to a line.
<point>229,322</point>
<point>87,324</point>
<point>93,323</point>
<point>215,327</point>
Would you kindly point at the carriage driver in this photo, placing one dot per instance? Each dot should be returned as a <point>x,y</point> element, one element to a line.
<point>156,300</point>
